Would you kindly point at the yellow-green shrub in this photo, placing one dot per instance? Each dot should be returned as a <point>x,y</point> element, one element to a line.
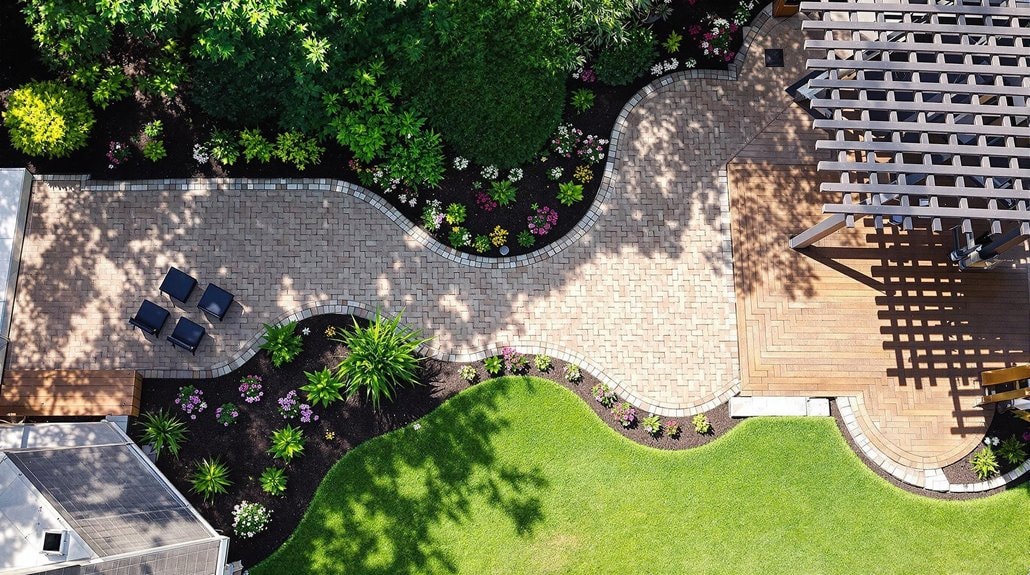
<point>48,119</point>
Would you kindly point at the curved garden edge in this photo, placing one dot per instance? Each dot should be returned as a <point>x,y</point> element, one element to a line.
<point>930,482</point>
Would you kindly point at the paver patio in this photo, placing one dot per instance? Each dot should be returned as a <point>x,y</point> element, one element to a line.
<point>646,295</point>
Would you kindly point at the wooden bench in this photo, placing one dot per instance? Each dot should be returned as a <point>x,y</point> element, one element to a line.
<point>1018,375</point>
<point>70,392</point>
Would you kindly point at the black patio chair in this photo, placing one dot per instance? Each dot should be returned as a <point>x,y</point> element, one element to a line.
<point>178,284</point>
<point>150,318</point>
<point>187,335</point>
<point>215,302</point>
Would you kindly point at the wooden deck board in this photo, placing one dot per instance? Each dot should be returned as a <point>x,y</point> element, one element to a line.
<point>70,392</point>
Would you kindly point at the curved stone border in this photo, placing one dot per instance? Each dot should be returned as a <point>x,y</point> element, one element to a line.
<point>932,479</point>
<point>253,345</point>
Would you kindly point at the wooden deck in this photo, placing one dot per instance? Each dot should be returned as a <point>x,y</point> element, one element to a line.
<point>880,315</point>
<point>70,392</point>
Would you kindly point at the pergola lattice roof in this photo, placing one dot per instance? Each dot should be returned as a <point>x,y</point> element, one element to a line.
<point>928,105</point>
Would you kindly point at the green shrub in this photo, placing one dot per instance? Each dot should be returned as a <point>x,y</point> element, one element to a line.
<point>672,42</point>
<point>108,83</point>
<point>48,119</point>
<point>569,193</point>
<point>223,147</point>
<point>69,33</point>
<point>525,239</point>
<point>985,463</point>
<point>481,244</point>
<point>297,149</point>
<point>256,146</point>
<point>468,373</point>
<point>623,63</point>
<point>382,358</point>
<point>323,387</point>
<point>154,150</point>
<point>701,424</point>
<point>503,192</point>
<point>163,431</point>
<point>572,373</point>
<point>459,237</point>
<point>456,214</point>
<point>1013,451</point>
<point>582,100</point>
<point>493,107</point>
<point>494,365</point>
<point>542,362</point>
<point>210,478</point>
<point>652,425</point>
<point>273,481</point>
<point>282,343</point>
<point>287,443</point>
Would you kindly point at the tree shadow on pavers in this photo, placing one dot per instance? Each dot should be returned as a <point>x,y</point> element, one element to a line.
<point>83,253</point>
<point>378,511</point>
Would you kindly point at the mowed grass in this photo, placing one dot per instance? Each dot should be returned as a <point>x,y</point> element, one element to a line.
<point>517,475</point>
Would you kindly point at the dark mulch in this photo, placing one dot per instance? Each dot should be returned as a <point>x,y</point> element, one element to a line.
<point>1003,425</point>
<point>186,126</point>
<point>242,446</point>
<point>956,473</point>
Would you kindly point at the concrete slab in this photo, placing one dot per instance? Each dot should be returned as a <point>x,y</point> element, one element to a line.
<point>818,407</point>
<point>768,406</point>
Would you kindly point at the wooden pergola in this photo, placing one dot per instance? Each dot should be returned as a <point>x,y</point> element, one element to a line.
<point>927,103</point>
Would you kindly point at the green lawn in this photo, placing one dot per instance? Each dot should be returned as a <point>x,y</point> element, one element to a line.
<point>517,475</point>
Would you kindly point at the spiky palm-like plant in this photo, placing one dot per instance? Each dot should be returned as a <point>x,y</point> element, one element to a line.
<point>382,358</point>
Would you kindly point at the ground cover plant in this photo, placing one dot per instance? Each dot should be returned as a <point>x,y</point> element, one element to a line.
<point>483,479</point>
<point>418,101</point>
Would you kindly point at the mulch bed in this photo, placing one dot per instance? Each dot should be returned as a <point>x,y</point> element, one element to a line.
<point>186,126</point>
<point>242,446</point>
<point>1002,425</point>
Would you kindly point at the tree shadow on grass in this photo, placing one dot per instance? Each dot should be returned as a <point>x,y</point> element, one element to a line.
<point>379,509</point>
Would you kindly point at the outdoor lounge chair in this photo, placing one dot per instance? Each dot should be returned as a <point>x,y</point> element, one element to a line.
<point>187,335</point>
<point>178,284</point>
<point>215,302</point>
<point>150,318</point>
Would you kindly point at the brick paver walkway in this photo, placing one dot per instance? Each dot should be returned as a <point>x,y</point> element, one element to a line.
<point>646,294</point>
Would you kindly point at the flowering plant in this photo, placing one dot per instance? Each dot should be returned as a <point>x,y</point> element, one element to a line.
<point>191,400</point>
<point>200,154</point>
<point>665,67</point>
<point>515,361</point>
<point>554,174</point>
<point>499,236</point>
<point>227,414</point>
<point>541,222</point>
<point>481,244</point>
<point>249,519</point>
<point>432,215</point>
<point>468,373</point>
<point>117,153</point>
<point>651,425</point>
<point>743,12</point>
<point>460,163</point>
<point>572,373</point>
<point>715,34</point>
<point>565,139</point>
<point>489,173</point>
<point>583,174</point>
<point>671,428</point>
<point>604,394</point>
<point>485,202</point>
<point>515,175</point>
<point>625,414</point>
<point>591,149</point>
<point>585,74</point>
<point>250,388</point>
<point>459,237</point>
<point>290,407</point>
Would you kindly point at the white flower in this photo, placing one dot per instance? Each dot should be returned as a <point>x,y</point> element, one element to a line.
<point>417,426</point>
<point>403,198</point>
<point>689,63</point>
<point>671,64</point>
<point>460,163</point>
<point>489,172</point>
<point>656,70</point>
<point>306,331</point>
<point>110,166</point>
<point>995,441</point>
<point>515,175</point>
<point>413,201</point>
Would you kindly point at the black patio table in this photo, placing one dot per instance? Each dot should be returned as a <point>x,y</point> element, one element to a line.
<point>215,302</point>
<point>178,284</point>
<point>187,335</point>
<point>150,318</point>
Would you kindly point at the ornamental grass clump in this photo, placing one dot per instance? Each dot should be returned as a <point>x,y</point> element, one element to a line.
<point>249,519</point>
<point>163,431</point>
<point>287,443</point>
<point>273,481</point>
<point>323,388</point>
<point>282,343</point>
<point>210,478</point>
<point>381,359</point>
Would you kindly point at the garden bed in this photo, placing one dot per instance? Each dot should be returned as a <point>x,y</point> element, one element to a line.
<point>185,127</point>
<point>243,445</point>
